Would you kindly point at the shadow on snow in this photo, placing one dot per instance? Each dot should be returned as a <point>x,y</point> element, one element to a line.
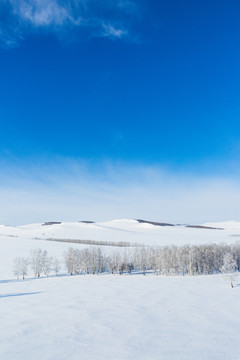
<point>19,294</point>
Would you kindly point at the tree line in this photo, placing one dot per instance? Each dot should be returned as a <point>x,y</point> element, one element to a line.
<point>168,260</point>
<point>96,242</point>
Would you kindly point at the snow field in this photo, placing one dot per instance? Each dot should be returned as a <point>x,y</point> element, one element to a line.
<point>119,317</point>
<point>101,317</point>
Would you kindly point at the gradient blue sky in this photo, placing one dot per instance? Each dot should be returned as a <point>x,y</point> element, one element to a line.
<point>151,86</point>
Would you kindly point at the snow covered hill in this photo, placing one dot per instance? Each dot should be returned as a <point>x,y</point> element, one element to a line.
<point>125,230</point>
<point>19,240</point>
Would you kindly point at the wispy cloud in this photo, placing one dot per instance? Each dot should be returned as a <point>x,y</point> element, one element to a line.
<point>105,18</point>
<point>42,12</point>
<point>111,31</point>
<point>71,192</point>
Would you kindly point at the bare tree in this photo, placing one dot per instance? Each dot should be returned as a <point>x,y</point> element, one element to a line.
<point>69,257</point>
<point>46,263</point>
<point>229,266</point>
<point>56,266</point>
<point>20,267</point>
<point>36,261</point>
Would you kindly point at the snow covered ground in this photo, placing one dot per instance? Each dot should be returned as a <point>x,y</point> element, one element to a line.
<point>96,317</point>
<point>119,317</point>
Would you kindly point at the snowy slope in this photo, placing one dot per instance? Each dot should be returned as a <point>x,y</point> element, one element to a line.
<point>101,317</point>
<point>129,231</point>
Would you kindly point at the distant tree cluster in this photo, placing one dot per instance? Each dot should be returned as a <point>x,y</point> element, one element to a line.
<point>96,242</point>
<point>169,260</point>
<point>39,262</point>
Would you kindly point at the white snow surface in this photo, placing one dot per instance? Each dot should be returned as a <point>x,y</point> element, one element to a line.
<point>129,231</point>
<point>119,317</point>
<point>101,317</point>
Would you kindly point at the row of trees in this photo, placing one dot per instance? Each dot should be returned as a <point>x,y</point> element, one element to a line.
<point>170,260</point>
<point>96,242</point>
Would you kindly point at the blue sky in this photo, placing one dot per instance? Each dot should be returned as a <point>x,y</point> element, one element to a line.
<point>151,86</point>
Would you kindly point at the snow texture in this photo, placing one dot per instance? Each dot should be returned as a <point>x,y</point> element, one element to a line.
<point>96,317</point>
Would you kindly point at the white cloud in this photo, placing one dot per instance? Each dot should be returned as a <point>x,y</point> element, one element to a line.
<point>104,19</point>
<point>111,31</point>
<point>43,12</point>
<point>117,191</point>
